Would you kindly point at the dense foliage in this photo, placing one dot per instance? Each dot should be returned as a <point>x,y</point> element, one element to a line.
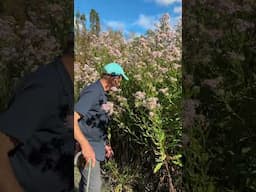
<point>29,38</point>
<point>219,91</point>
<point>146,129</point>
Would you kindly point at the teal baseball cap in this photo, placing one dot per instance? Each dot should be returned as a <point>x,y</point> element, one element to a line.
<point>115,69</point>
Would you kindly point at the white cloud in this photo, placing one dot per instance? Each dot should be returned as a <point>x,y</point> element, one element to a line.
<point>177,9</point>
<point>146,22</point>
<point>166,2</point>
<point>115,25</point>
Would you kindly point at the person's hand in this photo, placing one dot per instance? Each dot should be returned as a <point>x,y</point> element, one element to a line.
<point>89,154</point>
<point>109,151</point>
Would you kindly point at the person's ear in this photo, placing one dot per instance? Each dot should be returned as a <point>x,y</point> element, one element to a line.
<point>114,81</point>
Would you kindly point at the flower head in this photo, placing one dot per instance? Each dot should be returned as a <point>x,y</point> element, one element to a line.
<point>108,107</point>
<point>140,95</point>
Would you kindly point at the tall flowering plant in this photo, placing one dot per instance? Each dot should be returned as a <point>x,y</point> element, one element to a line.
<point>146,127</point>
<point>29,39</point>
<point>219,84</point>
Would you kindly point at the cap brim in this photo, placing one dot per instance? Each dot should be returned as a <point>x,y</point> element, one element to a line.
<point>125,77</point>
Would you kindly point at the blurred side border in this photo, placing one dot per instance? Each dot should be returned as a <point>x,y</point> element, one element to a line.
<point>219,81</point>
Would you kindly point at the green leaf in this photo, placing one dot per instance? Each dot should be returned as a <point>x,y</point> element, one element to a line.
<point>177,156</point>
<point>178,163</point>
<point>211,187</point>
<point>118,188</point>
<point>158,167</point>
<point>246,149</point>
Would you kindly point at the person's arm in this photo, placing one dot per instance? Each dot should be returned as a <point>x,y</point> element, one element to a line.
<point>86,148</point>
<point>8,181</point>
<point>87,99</point>
<point>28,109</point>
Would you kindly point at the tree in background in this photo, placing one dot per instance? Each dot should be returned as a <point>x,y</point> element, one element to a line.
<point>94,22</point>
<point>80,22</point>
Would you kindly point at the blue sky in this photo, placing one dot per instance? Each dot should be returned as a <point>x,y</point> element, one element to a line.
<point>130,15</point>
